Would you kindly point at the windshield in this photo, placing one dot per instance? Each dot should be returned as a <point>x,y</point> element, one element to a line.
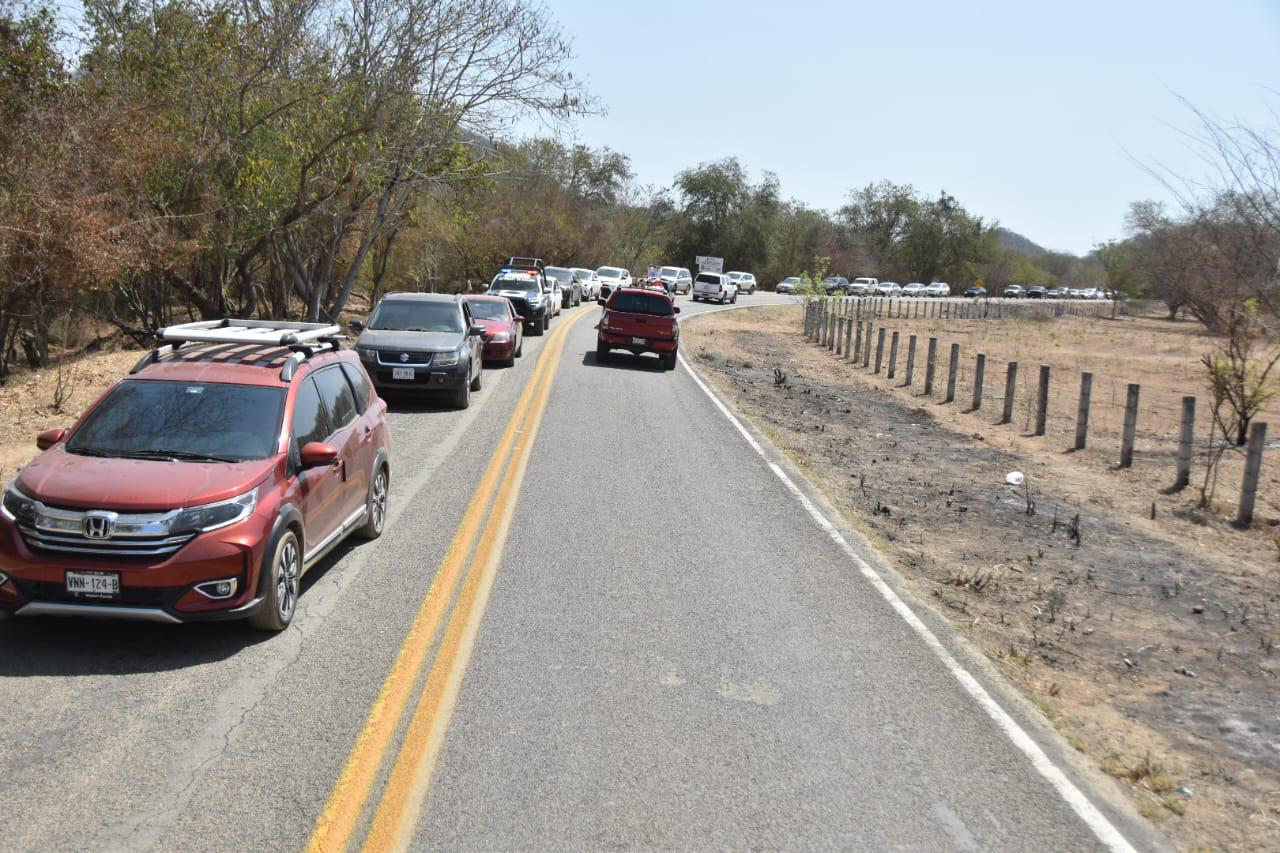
<point>187,421</point>
<point>795,279</point>
<point>518,285</point>
<point>670,272</point>
<point>490,310</point>
<point>641,303</point>
<point>610,272</point>
<point>560,274</point>
<point>405,315</point>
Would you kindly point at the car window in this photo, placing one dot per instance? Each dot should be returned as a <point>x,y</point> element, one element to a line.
<point>489,310</point>
<point>212,419</point>
<point>360,384</point>
<point>415,315</point>
<point>338,399</point>
<point>709,278</point>
<point>641,303</point>
<point>310,423</point>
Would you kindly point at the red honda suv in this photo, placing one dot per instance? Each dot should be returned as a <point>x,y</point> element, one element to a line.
<point>202,485</point>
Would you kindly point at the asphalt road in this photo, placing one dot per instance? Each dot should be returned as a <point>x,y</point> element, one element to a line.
<point>670,652</point>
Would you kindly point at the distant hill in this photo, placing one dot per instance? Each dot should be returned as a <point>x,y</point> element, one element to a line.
<point>1016,242</point>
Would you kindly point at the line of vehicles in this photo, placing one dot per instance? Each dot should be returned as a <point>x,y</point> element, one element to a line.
<point>237,453</point>
<point>837,285</point>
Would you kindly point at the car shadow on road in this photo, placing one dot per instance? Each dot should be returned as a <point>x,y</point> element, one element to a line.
<point>403,401</point>
<point>624,361</point>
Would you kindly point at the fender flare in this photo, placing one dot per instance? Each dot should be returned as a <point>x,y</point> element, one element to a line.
<point>290,516</point>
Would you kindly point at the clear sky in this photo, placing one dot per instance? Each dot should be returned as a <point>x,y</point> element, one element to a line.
<point>1028,112</point>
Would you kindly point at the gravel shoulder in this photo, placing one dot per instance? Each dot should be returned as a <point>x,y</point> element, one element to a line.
<point>1150,645</point>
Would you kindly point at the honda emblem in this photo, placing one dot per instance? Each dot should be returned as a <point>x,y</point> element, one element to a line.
<point>98,525</point>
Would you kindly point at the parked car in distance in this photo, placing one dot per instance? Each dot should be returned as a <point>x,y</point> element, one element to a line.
<point>788,284</point>
<point>570,285</point>
<point>714,287</point>
<point>527,291</point>
<point>1037,291</point>
<point>611,278</point>
<point>590,283</point>
<point>1014,291</point>
<point>201,488</point>
<point>834,284</point>
<point>888,289</point>
<point>1059,293</point>
<point>503,328</point>
<point>676,279</point>
<point>745,281</point>
<point>915,288</point>
<point>1076,292</point>
<point>424,343</point>
<point>863,286</point>
<point>938,289</point>
<point>640,321</point>
<point>975,292</point>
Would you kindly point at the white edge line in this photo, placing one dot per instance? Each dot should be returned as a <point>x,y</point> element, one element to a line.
<point>1105,831</point>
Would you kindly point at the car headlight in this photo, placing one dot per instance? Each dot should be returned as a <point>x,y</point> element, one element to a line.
<point>446,359</point>
<point>500,337</point>
<point>211,516</point>
<point>367,355</point>
<point>16,506</point>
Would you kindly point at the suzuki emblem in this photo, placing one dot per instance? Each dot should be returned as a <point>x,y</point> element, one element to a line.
<point>404,357</point>
<point>98,525</point>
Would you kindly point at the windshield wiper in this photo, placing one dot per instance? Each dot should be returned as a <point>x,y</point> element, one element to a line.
<point>90,451</point>
<point>175,455</point>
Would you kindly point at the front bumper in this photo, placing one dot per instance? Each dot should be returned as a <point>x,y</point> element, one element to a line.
<point>427,379</point>
<point>150,589</point>
<point>499,351</point>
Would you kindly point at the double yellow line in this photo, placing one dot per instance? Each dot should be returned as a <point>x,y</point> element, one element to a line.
<point>486,522</point>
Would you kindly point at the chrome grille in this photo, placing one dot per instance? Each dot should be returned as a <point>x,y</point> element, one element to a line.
<point>102,533</point>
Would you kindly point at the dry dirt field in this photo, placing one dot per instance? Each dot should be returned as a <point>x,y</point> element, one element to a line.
<point>1150,644</point>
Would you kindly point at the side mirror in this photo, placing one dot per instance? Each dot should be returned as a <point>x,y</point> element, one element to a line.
<point>676,309</point>
<point>519,318</point>
<point>317,454</point>
<point>476,330</point>
<point>50,437</point>
<point>356,326</point>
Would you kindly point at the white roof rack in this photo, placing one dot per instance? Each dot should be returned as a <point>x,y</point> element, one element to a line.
<point>265,332</point>
<point>305,339</point>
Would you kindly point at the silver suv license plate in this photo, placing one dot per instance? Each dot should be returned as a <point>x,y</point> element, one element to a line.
<point>94,584</point>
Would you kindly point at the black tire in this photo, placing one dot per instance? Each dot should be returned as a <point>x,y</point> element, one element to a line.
<point>669,361</point>
<point>284,562</point>
<point>602,352</point>
<point>546,323</point>
<point>537,327</point>
<point>462,397</point>
<point>479,380</point>
<point>376,507</point>
<point>734,300</point>
<point>520,347</point>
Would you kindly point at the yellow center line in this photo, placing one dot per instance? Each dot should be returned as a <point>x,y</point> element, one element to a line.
<point>342,810</point>
<point>406,792</point>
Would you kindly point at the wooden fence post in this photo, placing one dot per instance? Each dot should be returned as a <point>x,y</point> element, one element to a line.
<point>911,360</point>
<point>1252,473</point>
<point>831,329</point>
<point>848,337</point>
<point>880,349</point>
<point>857,345</point>
<point>893,355</point>
<point>979,376</point>
<point>930,366</point>
<point>951,374</point>
<point>1082,413</point>
<point>1010,388</point>
<point>866,347</point>
<point>1130,425</point>
<point>1042,404</point>
<point>1185,439</point>
<point>840,336</point>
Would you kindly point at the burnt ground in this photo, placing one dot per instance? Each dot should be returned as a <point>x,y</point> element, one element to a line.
<point>1152,654</point>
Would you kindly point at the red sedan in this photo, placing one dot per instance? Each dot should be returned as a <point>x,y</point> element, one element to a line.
<point>503,328</point>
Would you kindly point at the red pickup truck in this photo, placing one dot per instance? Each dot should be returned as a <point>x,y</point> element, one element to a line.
<point>639,321</point>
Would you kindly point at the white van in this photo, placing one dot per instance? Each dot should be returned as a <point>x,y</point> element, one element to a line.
<point>714,287</point>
